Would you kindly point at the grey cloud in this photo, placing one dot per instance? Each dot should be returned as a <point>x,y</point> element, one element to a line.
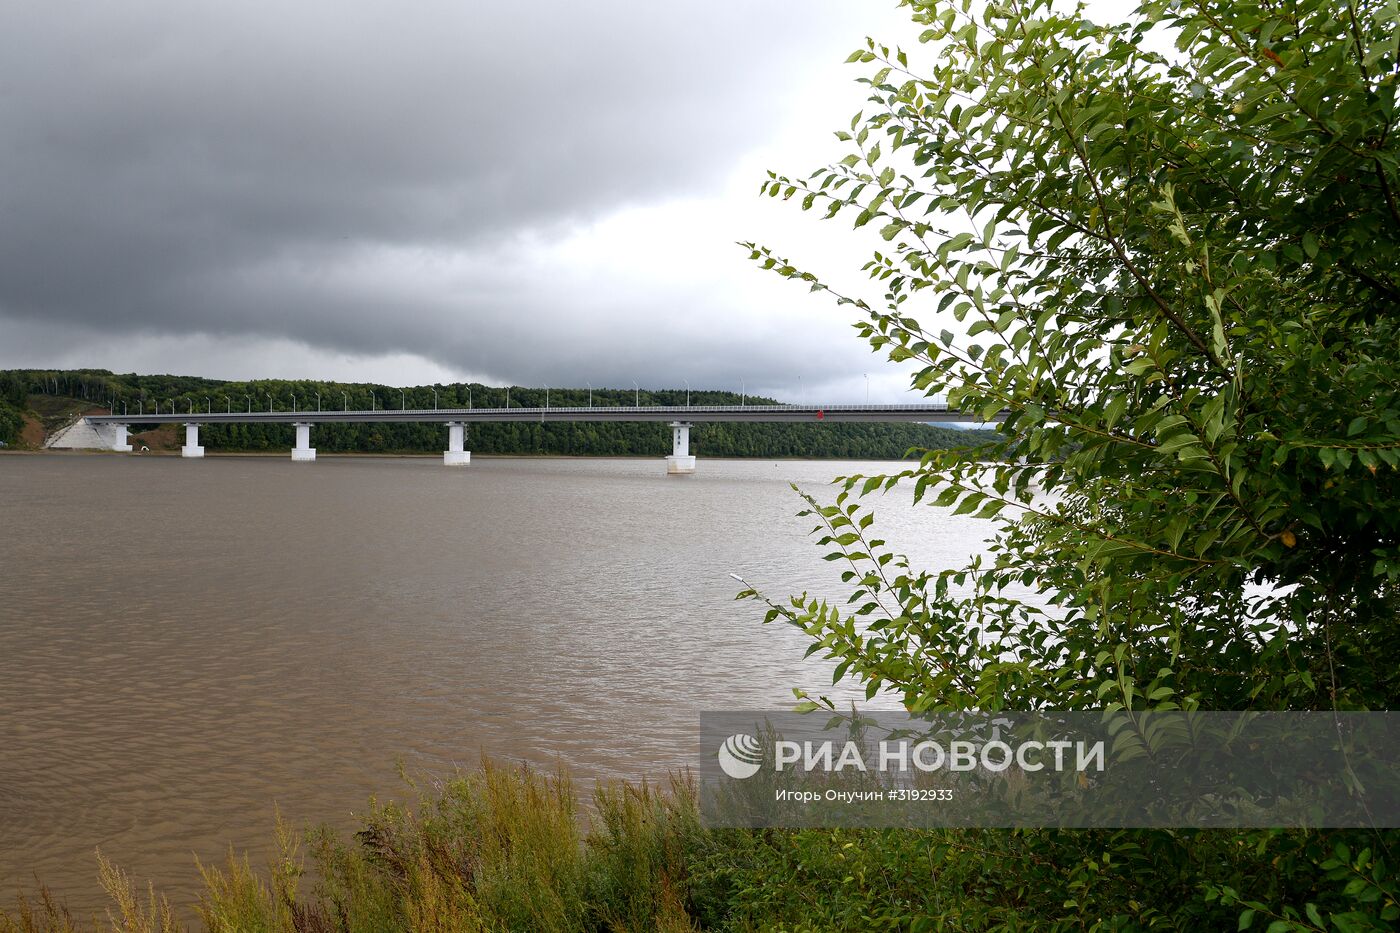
<point>218,168</point>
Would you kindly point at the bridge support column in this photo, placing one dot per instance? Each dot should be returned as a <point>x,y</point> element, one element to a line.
<point>680,460</point>
<point>191,448</point>
<point>303,452</point>
<point>455,455</point>
<point>119,438</point>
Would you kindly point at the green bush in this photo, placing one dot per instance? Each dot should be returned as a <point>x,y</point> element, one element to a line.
<point>1166,251</point>
<point>11,424</point>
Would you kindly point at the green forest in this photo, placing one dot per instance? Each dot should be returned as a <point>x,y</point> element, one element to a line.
<point>14,396</point>
<point>131,392</point>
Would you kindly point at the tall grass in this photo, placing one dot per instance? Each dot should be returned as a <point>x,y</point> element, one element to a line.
<point>510,849</point>
<point>131,912</point>
<point>499,849</point>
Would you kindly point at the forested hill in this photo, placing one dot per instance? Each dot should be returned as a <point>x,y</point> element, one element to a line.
<point>21,391</point>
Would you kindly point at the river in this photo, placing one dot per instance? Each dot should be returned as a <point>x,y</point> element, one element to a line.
<point>188,646</point>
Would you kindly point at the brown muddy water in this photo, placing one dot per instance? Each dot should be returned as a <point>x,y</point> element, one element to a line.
<point>188,646</point>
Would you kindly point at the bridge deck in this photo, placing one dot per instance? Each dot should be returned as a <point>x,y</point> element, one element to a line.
<point>693,413</point>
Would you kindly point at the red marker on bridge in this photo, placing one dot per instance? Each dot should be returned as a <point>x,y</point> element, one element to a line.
<point>820,414</point>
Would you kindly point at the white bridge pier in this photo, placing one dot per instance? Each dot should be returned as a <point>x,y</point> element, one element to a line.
<point>680,460</point>
<point>303,452</point>
<point>455,454</point>
<point>191,448</point>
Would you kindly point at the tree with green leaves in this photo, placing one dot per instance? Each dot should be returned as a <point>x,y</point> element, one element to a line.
<point>1168,252</point>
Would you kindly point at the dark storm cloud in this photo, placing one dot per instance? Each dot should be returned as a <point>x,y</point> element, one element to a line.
<point>281,169</point>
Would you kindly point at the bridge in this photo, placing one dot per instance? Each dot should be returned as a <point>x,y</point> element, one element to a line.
<point>111,430</point>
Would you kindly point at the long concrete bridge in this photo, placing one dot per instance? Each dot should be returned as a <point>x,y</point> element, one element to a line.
<point>111,430</point>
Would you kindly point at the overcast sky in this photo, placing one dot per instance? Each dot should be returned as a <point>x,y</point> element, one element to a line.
<point>533,194</point>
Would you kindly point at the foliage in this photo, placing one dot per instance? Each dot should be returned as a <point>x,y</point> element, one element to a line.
<point>13,390</point>
<point>505,849</point>
<point>1167,250</point>
<point>11,423</point>
<point>497,849</point>
<point>13,393</point>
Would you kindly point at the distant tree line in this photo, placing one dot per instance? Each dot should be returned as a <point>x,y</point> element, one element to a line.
<point>132,393</point>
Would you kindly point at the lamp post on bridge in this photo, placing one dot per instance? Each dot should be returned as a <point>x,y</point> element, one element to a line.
<point>469,396</point>
<point>269,402</point>
<point>318,401</point>
<point>636,395</point>
<point>294,401</point>
<point>123,406</point>
<point>546,397</point>
<point>208,408</point>
<point>345,401</point>
<point>687,392</point>
<point>403,400</point>
<point>507,396</point>
<point>590,393</point>
<point>434,398</point>
<point>250,402</point>
<point>140,406</point>
<point>372,400</point>
<point>743,394</point>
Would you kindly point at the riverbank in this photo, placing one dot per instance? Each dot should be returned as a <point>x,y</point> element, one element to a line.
<point>514,849</point>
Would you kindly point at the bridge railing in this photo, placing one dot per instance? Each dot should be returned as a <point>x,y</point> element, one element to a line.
<point>679,412</point>
<point>926,406</point>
